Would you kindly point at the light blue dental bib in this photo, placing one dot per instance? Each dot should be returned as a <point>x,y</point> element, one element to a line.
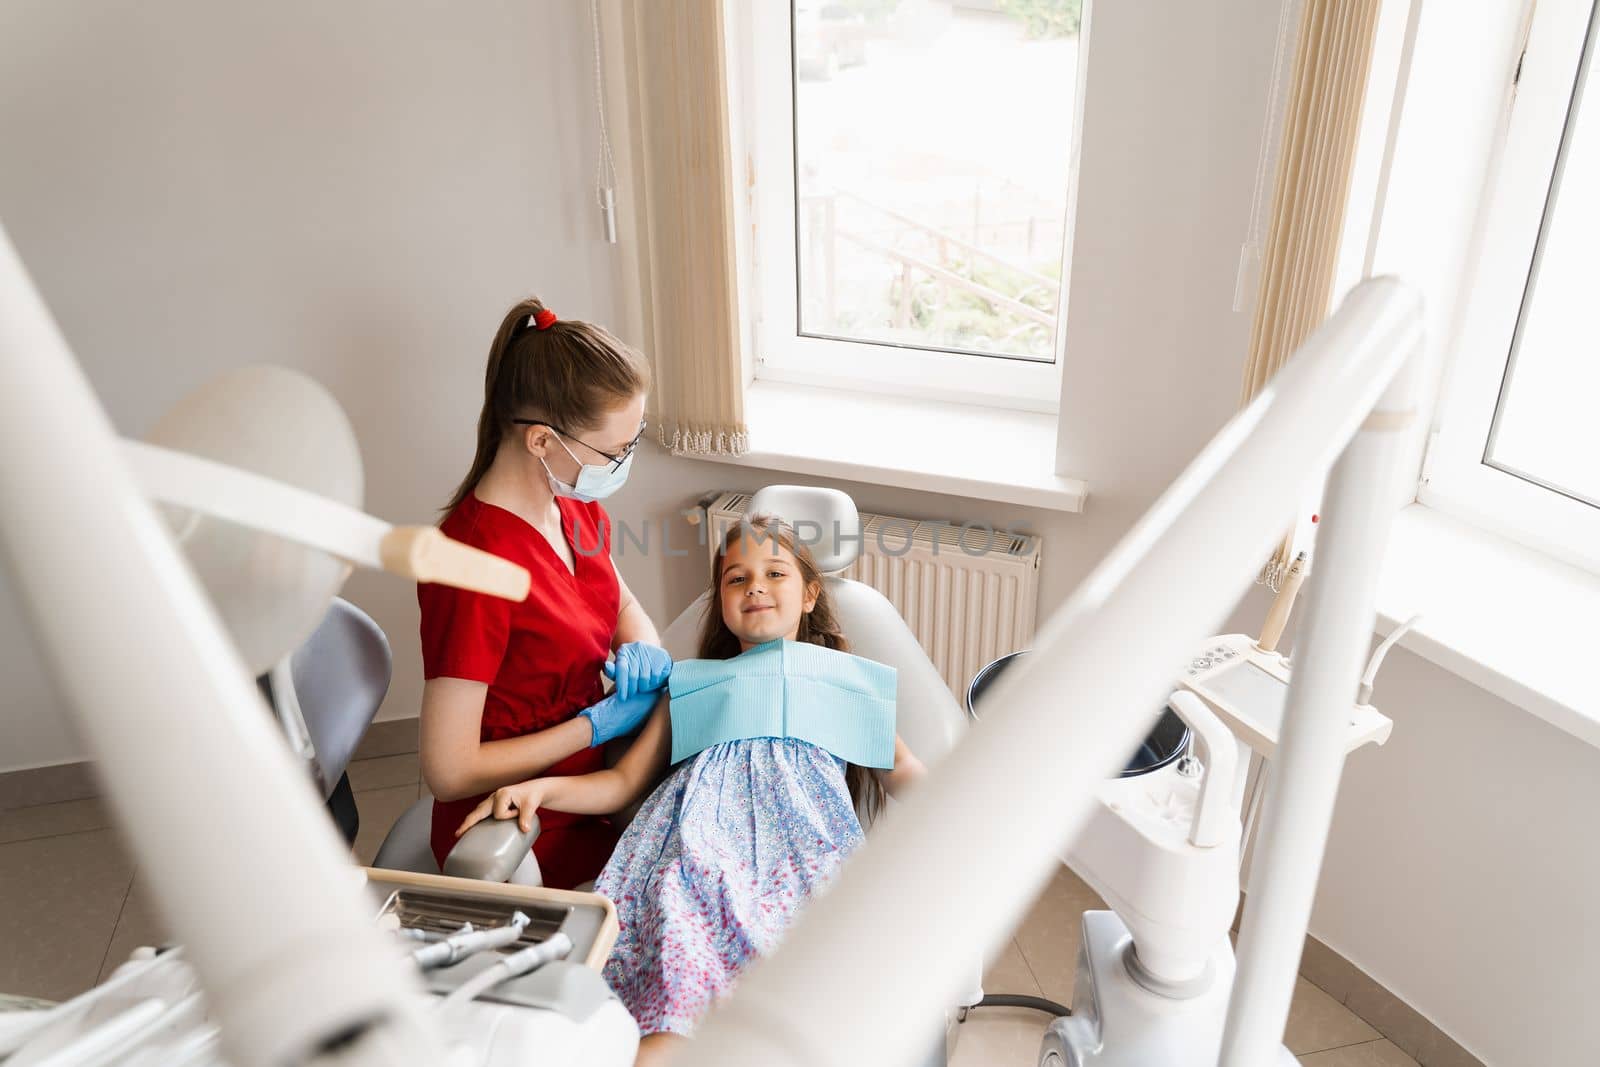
<point>836,701</point>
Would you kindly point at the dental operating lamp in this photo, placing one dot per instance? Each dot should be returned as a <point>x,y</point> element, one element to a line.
<point>164,698</point>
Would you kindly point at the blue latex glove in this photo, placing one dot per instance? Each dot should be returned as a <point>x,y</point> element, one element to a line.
<point>615,716</point>
<point>639,668</point>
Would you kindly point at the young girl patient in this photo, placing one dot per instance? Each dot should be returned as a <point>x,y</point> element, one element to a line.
<point>717,861</point>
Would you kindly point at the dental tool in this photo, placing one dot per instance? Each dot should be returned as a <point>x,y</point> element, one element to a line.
<point>412,933</point>
<point>458,947</point>
<point>513,966</point>
<point>1282,605</point>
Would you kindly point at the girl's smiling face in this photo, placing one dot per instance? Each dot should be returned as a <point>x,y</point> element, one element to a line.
<point>763,591</point>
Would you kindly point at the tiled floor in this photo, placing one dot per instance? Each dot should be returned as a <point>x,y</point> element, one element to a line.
<point>71,909</point>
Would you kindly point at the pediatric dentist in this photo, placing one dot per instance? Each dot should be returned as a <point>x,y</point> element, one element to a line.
<point>514,690</point>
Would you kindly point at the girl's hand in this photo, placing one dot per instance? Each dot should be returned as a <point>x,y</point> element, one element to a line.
<point>518,801</point>
<point>907,770</point>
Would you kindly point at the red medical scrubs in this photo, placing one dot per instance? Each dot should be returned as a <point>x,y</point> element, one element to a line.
<point>541,659</point>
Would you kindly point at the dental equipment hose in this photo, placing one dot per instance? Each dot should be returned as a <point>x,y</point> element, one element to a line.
<point>458,947</point>
<point>411,933</point>
<point>416,933</point>
<point>1017,1000</point>
<point>1364,694</point>
<point>513,966</point>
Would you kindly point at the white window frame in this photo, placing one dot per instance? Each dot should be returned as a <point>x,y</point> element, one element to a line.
<point>769,286</point>
<point>1455,477</point>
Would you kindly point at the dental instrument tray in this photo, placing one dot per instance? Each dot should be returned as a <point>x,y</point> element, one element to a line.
<point>431,907</point>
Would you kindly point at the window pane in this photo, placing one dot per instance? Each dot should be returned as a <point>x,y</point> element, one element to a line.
<point>1547,428</point>
<point>932,144</point>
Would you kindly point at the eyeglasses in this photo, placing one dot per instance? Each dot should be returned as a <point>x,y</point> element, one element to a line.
<point>615,460</point>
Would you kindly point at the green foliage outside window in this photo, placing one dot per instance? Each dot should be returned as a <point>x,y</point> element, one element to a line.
<point>872,10</point>
<point>1047,18</point>
<point>949,315</point>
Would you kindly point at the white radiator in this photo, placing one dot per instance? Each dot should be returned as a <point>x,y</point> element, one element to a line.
<point>969,594</point>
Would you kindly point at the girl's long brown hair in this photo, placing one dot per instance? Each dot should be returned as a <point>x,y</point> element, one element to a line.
<point>569,374</point>
<point>818,627</point>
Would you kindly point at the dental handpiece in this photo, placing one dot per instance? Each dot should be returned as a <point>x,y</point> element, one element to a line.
<point>413,933</point>
<point>458,947</point>
<point>556,947</point>
<point>1282,605</point>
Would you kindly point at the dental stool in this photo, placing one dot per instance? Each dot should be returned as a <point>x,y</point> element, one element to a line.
<point>325,695</point>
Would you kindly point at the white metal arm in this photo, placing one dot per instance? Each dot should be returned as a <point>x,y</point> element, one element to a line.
<point>1066,717</point>
<point>420,553</point>
<point>276,925</point>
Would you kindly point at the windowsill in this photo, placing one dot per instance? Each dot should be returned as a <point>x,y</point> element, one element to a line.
<point>1507,619</point>
<point>935,447</point>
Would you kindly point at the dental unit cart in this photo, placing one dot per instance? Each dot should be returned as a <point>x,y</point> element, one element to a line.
<point>1164,849</point>
<point>506,968</point>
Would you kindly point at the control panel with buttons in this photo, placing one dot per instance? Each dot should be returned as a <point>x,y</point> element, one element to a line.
<point>1249,689</point>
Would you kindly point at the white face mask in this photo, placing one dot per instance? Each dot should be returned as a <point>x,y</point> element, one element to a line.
<point>594,482</point>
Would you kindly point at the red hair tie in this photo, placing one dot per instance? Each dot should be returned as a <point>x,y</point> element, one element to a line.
<point>544,319</point>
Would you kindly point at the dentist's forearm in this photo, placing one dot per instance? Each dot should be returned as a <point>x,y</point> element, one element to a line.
<point>634,625</point>
<point>491,764</point>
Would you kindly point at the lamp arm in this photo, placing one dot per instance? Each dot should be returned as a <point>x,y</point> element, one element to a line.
<point>421,553</point>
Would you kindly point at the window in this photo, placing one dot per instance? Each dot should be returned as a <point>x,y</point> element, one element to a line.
<point>1518,448</point>
<point>911,166</point>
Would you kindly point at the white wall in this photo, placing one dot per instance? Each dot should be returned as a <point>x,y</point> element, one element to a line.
<point>356,189</point>
<point>1462,873</point>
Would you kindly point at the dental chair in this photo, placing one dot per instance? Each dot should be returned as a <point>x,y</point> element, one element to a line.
<point>928,717</point>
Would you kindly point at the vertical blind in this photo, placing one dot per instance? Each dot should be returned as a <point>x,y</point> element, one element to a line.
<point>691,322</point>
<point>1333,54</point>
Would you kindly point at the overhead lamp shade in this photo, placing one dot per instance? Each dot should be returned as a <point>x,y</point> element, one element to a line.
<point>271,593</point>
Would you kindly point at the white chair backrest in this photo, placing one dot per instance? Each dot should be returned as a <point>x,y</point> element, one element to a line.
<point>825,520</point>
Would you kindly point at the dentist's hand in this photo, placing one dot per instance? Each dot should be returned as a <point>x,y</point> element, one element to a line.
<point>639,668</point>
<point>518,802</point>
<point>616,715</point>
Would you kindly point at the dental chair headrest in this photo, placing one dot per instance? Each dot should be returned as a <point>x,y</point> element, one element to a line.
<point>825,520</point>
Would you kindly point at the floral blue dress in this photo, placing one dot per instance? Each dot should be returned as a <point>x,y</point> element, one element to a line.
<point>713,868</point>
